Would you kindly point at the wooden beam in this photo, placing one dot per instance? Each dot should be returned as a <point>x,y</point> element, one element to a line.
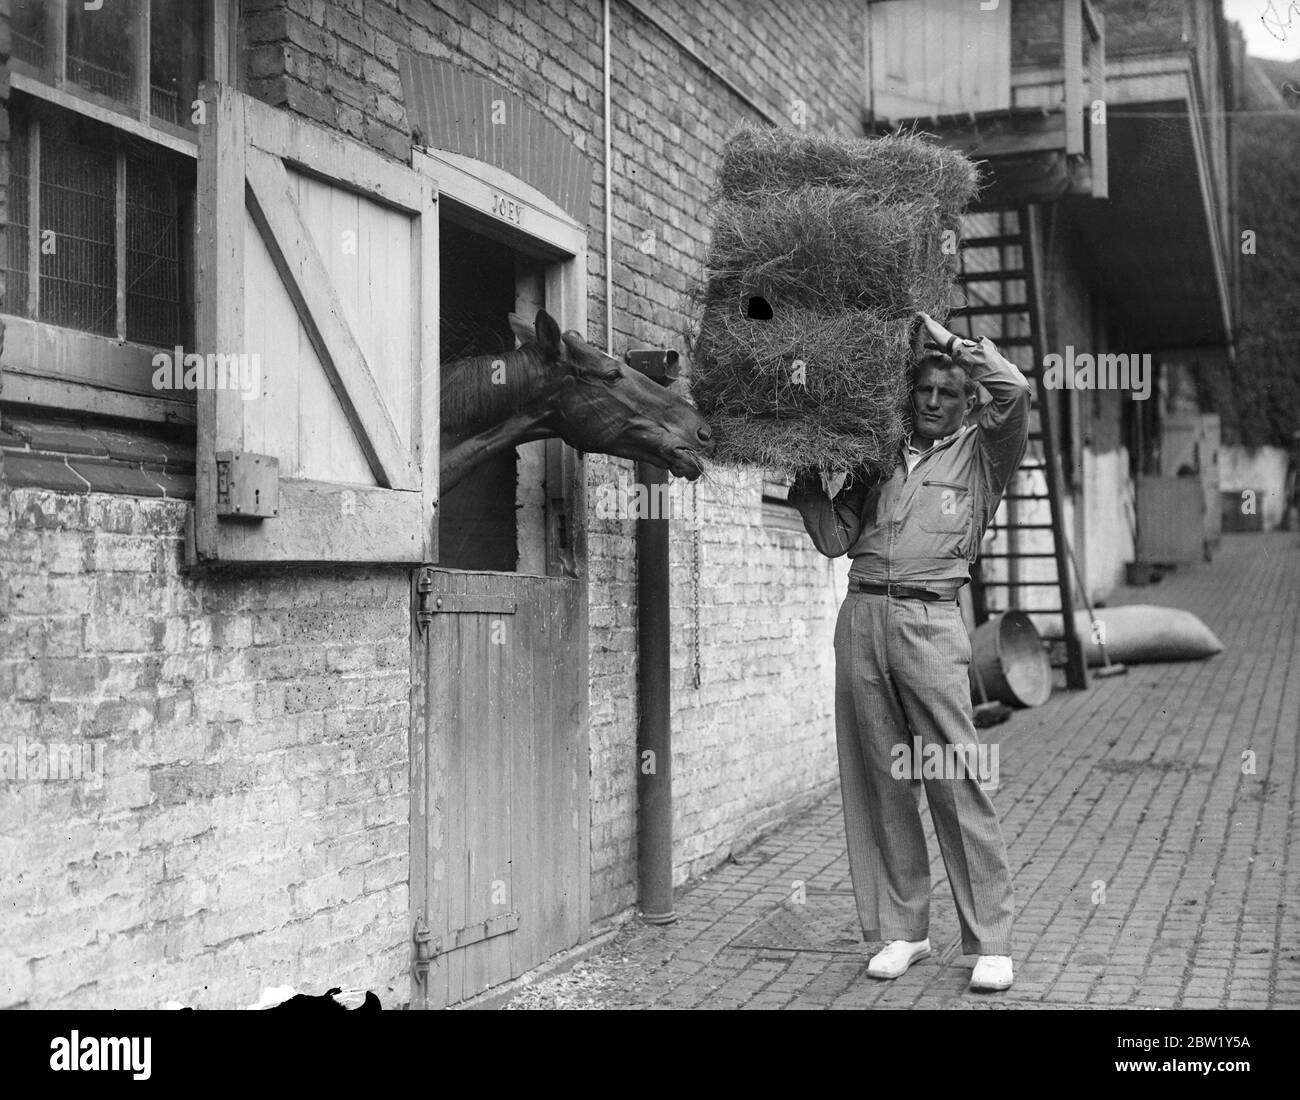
<point>1072,40</point>
<point>21,82</point>
<point>327,156</point>
<point>378,526</point>
<point>219,36</point>
<point>119,243</point>
<point>1204,179</point>
<point>1098,145</point>
<point>33,217</point>
<point>56,41</point>
<point>75,356</point>
<point>143,58</point>
<point>426,410</point>
<point>306,277</point>
<point>999,137</point>
<point>1093,20</point>
<point>219,261</point>
<point>22,388</point>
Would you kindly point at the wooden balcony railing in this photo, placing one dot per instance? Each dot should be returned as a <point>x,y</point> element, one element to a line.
<point>950,67</point>
<point>1078,16</point>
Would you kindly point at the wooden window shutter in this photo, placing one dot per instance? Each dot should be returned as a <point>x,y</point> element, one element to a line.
<point>317,268</point>
<point>937,57</point>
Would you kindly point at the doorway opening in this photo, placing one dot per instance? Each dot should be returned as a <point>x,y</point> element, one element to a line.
<point>495,519</point>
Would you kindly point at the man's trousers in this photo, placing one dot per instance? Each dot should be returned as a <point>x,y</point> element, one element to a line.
<point>901,673</point>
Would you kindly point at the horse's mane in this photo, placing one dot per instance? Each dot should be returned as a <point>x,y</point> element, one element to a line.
<point>469,396</point>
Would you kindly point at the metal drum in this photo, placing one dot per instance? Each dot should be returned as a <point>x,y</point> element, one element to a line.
<point>1010,656</point>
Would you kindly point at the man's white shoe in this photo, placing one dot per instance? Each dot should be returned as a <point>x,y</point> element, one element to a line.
<point>991,974</point>
<point>897,957</point>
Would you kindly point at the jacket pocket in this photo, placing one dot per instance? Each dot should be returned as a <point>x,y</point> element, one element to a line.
<point>944,507</point>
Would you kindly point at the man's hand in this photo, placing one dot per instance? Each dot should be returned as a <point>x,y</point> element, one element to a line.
<point>833,482</point>
<point>948,342</point>
<point>935,331</point>
<point>830,482</point>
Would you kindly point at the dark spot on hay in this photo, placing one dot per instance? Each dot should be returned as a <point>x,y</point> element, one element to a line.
<point>758,309</point>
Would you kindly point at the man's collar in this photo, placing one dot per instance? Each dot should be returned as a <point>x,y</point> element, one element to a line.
<point>937,443</point>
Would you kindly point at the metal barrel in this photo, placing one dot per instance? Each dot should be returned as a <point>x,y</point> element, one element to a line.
<point>1009,654</point>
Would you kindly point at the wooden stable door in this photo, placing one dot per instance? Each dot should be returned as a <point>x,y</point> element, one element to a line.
<point>317,271</point>
<point>500,766</point>
<point>500,819</point>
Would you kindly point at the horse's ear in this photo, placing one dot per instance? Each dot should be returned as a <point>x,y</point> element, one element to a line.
<point>548,334</point>
<point>522,329</point>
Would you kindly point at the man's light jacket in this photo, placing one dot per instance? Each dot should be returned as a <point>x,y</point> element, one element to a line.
<point>924,527</point>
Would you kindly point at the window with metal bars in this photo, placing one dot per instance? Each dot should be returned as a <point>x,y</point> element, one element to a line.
<point>97,235</point>
<point>143,58</point>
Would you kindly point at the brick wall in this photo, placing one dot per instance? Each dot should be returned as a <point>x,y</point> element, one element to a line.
<point>250,825</point>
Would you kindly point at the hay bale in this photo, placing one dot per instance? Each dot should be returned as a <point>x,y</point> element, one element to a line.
<point>786,393</point>
<point>844,239</point>
<point>789,444</point>
<point>829,248</point>
<point>895,168</point>
<point>802,362</point>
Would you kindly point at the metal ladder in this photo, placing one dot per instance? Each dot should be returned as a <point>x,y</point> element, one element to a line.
<point>1027,565</point>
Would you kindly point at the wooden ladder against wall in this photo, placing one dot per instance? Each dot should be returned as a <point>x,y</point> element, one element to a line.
<point>1024,563</point>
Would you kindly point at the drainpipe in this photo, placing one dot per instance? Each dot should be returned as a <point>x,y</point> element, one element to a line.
<point>654,695</point>
<point>609,199</point>
<point>654,782</point>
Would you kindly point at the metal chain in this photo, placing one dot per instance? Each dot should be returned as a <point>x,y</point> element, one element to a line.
<point>695,578</point>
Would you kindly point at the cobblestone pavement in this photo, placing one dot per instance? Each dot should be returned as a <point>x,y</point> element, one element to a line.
<point>1138,786</point>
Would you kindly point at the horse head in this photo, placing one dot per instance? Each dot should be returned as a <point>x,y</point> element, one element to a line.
<point>603,406</point>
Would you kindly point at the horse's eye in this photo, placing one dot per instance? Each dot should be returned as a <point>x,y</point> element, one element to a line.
<point>613,374</point>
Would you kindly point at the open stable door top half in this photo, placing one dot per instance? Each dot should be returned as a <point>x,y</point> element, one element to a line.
<point>317,342</point>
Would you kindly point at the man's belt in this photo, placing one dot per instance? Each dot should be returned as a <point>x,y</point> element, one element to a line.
<point>902,591</point>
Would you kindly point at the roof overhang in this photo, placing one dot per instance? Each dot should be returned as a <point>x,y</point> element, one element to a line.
<point>1157,238</point>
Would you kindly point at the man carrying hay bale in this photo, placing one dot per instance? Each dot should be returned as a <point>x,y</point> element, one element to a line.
<point>902,651</point>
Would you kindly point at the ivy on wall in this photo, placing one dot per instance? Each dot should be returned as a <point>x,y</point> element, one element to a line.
<point>1259,399</point>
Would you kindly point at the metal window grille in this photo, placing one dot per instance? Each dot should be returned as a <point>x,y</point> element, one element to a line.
<point>102,48</point>
<point>78,235</point>
<point>108,245</point>
<point>17,266</point>
<point>98,78</point>
<point>154,284</point>
<point>145,57</point>
<point>28,32</point>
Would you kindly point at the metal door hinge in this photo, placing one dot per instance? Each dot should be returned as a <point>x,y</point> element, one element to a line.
<point>426,949</point>
<point>424,588</point>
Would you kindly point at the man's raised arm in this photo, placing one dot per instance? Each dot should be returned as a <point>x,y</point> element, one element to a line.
<point>1004,421</point>
<point>833,525</point>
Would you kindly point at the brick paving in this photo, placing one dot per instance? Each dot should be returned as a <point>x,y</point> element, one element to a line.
<point>1137,787</point>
